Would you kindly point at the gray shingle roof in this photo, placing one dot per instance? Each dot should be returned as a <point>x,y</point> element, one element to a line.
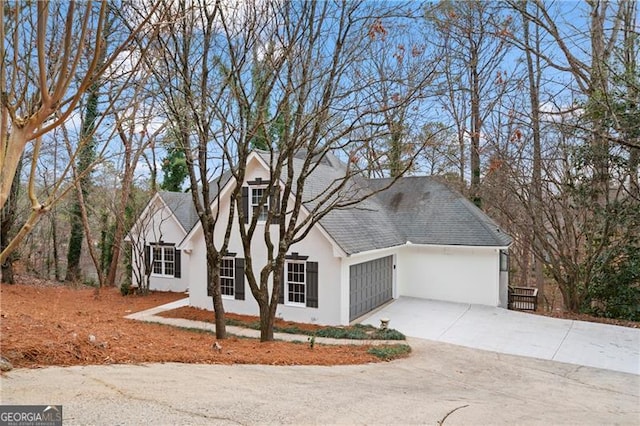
<point>182,207</point>
<point>363,227</point>
<point>181,203</point>
<point>425,210</point>
<point>422,210</point>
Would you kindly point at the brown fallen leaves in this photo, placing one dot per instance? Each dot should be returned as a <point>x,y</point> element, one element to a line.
<point>44,324</point>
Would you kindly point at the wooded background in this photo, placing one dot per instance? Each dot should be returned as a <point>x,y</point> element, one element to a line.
<point>530,108</point>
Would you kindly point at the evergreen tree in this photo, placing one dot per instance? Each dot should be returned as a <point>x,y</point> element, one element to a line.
<point>174,169</point>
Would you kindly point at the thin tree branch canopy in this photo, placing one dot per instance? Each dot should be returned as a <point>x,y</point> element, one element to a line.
<point>50,56</point>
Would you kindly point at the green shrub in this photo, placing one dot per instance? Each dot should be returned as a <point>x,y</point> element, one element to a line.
<point>353,332</point>
<point>615,289</point>
<point>390,352</point>
<point>342,333</point>
<point>388,334</point>
<point>237,323</point>
<point>125,288</point>
<point>292,329</point>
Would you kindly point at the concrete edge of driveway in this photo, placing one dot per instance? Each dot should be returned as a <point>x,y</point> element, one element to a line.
<point>151,316</point>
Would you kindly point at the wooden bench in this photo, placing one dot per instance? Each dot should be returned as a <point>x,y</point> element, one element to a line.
<point>523,298</point>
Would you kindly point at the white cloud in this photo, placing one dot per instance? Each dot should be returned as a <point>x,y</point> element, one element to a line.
<point>555,113</point>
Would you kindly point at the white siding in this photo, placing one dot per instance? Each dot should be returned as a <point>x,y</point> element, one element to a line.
<point>455,274</point>
<point>315,245</point>
<point>160,224</point>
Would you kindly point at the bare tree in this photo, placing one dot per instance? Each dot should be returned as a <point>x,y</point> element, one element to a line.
<point>472,36</point>
<point>317,86</point>
<point>577,201</point>
<point>188,66</point>
<point>41,88</point>
<point>136,133</point>
<point>400,58</point>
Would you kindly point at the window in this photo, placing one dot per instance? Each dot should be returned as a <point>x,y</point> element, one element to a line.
<point>227,276</point>
<point>256,199</point>
<point>163,260</point>
<point>296,283</point>
<point>231,277</point>
<point>300,282</point>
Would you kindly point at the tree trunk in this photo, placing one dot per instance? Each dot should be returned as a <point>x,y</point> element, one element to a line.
<point>476,126</point>
<point>54,238</point>
<point>86,158</point>
<point>534,74</point>
<point>7,220</point>
<point>7,272</point>
<point>213,281</point>
<point>15,144</point>
<point>395,148</point>
<point>599,89</point>
<point>110,280</point>
<point>266,322</point>
<point>633,92</point>
<point>75,244</point>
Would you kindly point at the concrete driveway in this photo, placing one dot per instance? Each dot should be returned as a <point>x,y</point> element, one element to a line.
<point>516,333</point>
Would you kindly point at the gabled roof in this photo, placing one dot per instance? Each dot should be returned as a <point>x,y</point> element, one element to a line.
<point>420,210</point>
<point>181,203</point>
<point>356,229</point>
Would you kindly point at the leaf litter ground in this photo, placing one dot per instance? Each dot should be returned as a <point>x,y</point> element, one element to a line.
<point>42,324</point>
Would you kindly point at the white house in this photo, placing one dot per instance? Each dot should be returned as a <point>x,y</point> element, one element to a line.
<point>419,238</point>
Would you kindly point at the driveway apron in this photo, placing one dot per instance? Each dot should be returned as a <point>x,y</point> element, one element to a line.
<point>517,333</point>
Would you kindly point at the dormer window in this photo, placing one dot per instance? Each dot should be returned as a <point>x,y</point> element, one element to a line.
<point>257,200</point>
<point>259,203</point>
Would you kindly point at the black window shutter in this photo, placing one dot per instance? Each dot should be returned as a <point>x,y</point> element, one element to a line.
<point>239,279</point>
<point>312,284</point>
<point>147,259</point>
<point>283,284</point>
<point>178,265</point>
<point>245,203</point>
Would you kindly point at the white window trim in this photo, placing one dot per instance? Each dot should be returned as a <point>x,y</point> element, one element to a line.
<point>287,302</point>
<point>233,278</point>
<point>163,261</point>
<point>265,207</point>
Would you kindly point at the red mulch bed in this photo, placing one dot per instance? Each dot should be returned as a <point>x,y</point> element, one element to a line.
<point>42,324</point>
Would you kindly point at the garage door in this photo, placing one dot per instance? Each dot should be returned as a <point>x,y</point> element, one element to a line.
<point>370,285</point>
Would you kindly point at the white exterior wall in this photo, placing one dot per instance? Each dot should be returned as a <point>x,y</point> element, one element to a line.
<point>160,224</point>
<point>451,273</point>
<point>315,245</point>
